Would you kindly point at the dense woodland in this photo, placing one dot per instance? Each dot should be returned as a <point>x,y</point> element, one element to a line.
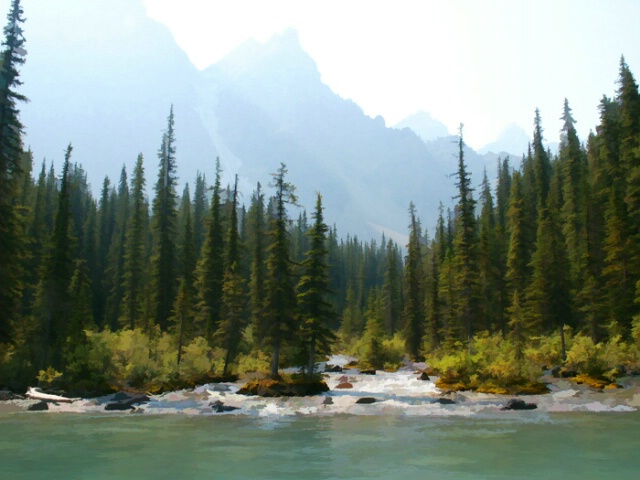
<point>538,268</point>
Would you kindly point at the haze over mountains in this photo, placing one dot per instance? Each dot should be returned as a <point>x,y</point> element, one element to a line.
<point>106,78</point>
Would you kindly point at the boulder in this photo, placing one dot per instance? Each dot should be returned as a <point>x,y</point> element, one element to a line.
<point>220,387</point>
<point>333,368</point>
<point>424,376</point>
<point>366,400</point>
<point>517,404</point>
<point>284,388</point>
<point>38,407</point>
<point>445,401</point>
<point>124,401</point>
<point>371,371</point>
<point>219,407</point>
<point>9,395</point>
<point>344,385</point>
<point>118,406</point>
<point>327,401</point>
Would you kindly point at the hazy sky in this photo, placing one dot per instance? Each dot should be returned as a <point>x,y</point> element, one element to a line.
<point>483,63</point>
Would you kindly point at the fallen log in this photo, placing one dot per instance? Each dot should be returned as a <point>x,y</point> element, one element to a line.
<point>37,394</point>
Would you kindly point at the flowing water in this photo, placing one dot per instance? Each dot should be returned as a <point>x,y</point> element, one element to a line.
<point>509,445</point>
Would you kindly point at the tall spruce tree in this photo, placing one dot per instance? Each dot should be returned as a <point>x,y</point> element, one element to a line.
<point>200,207</point>
<point>392,288</point>
<point>280,299</point>
<point>164,229</point>
<point>135,255</point>
<point>234,297</point>
<point>316,311</point>
<point>53,291</point>
<point>488,263</point>
<point>182,319</point>
<point>256,234</point>
<point>517,273</point>
<point>414,316</point>
<point>465,243</point>
<point>115,268</point>
<point>210,275</point>
<point>541,163</point>
<point>11,240</point>
<point>573,166</point>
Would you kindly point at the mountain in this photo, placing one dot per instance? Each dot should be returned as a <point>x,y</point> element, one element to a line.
<point>513,139</point>
<point>270,106</point>
<point>425,126</point>
<point>103,76</point>
<point>264,104</point>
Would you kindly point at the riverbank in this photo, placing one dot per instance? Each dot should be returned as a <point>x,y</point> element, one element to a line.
<point>353,393</point>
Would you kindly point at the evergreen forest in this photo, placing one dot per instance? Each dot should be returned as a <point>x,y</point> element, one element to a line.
<point>535,269</point>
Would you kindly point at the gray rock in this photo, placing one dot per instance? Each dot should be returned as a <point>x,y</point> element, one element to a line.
<point>517,404</point>
<point>366,400</point>
<point>38,407</point>
<point>9,395</point>
<point>219,407</point>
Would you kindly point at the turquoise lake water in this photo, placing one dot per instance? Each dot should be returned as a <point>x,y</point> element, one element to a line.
<point>514,445</point>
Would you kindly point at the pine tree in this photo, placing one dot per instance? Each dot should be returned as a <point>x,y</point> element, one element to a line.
<point>164,229</point>
<point>280,300</point>
<point>200,207</point>
<point>549,305</point>
<point>256,234</point>
<point>11,240</point>
<point>183,321</point>
<point>313,292</point>
<point>115,269</point>
<point>80,302</point>
<point>433,301</point>
<point>541,164</point>
<point>211,266</point>
<point>392,288</point>
<point>573,164</point>
<point>135,254</point>
<point>488,258</point>
<point>465,259</point>
<point>414,316</point>
<point>233,308</point>
<point>517,274</point>
<point>105,231</point>
<point>373,332</point>
<point>53,291</point>
<point>629,100</point>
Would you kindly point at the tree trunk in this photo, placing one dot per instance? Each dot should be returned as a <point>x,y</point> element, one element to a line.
<point>275,361</point>
<point>312,357</point>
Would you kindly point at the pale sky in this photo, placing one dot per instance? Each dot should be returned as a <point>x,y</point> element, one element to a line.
<point>483,63</point>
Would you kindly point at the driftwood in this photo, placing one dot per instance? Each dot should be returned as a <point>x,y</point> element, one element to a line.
<point>38,394</point>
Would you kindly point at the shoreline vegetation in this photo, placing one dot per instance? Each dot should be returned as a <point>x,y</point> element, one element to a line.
<point>346,388</point>
<point>538,271</point>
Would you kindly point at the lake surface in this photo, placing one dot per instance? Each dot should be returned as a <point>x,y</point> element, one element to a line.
<point>512,445</point>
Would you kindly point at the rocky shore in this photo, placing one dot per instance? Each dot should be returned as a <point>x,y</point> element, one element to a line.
<point>405,392</point>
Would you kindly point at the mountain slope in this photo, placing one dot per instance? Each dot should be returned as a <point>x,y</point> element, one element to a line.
<point>262,105</point>
<point>425,126</point>
<point>103,76</point>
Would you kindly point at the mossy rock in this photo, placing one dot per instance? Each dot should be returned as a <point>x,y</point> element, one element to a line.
<point>284,387</point>
<point>446,384</point>
<point>592,382</point>
<point>489,386</point>
<point>613,386</point>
